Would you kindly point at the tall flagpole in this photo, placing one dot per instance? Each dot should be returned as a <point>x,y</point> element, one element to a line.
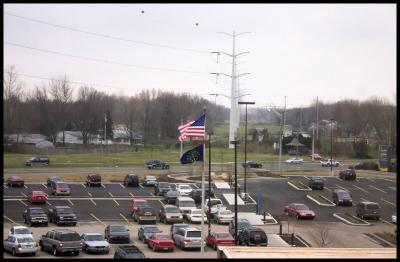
<point>181,141</point>
<point>202,186</point>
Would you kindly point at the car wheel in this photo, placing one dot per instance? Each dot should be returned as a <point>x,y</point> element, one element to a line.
<point>297,217</point>
<point>55,252</point>
<point>25,221</point>
<point>214,246</point>
<point>30,223</point>
<point>154,248</point>
<point>76,253</point>
<point>13,252</point>
<point>181,246</point>
<point>46,225</point>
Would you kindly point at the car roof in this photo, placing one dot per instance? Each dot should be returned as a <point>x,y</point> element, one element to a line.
<point>144,226</point>
<point>38,191</point>
<point>16,177</point>
<point>180,225</point>
<point>21,235</point>
<point>368,202</point>
<point>340,190</point>
<point>19,227</point>
<point>62,206</point>
<point>92,234</point>
<point>191,229</point>
<point>63,230</point>
<point>181,198</point>
<point>35,208</point>
<point>165,206</point>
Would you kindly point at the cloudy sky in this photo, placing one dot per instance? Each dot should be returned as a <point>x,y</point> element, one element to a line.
<point>298,51</point>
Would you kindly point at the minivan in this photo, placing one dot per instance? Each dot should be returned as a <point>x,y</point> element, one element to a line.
<point>60,188</point>
<point>38,161</point>
<point>189,237</point>
<point>185,204</point>
<point>341,197</point>
<point>366,209</point>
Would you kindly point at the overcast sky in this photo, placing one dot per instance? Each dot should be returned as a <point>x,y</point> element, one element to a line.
<point>299,51</point>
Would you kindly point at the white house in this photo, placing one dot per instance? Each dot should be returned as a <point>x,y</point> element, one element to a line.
<point>30,140</point>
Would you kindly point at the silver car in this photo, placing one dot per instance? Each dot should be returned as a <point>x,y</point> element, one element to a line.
<point>150,181</point>
<point>95,243</point>
<point>188,237</point>
<point>20,244</point>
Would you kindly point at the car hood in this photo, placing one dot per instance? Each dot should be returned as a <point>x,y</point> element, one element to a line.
<point>97,243</point>
<point>148,234</point>
<point>119,234</point>
<point>306,211</point>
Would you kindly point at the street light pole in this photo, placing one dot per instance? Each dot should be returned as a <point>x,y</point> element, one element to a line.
<point>235,143</point>
<point>209,183</point>
<point>245,147</point>
<point>331,120</point>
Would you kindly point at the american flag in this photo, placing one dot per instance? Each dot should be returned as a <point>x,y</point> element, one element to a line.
<point>193,128</point>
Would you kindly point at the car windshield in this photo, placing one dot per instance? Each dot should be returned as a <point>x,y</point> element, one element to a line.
<point>25,239</point>
<point>172,210</point>
<point>150,178</point>
<point>64,210</point>
<point>37,212</point>
<point>164,237</point>
<point>187,204</point>
<point>185,187</point>
<point>37,193</point>
<point>151,229</point>
<point>243,224</point>
<point>94,238</point>
<point>193,234</point>
<point>32,158</point>
<point>172,193</point>
<point>344,194</point>
<point>163,185</point>
<point>196,212</point>
<point>225,212</point>
<point>21,231</point>
<point>117,228</point>
<point>55,178</point>
<point>223,235</point>
<point>62,185</point>
<point>176,227</point>
<point>372,206</point>
<point>141,203</point>
<point>215,202</point>
<point>70,237</point>
<point>301,207</point>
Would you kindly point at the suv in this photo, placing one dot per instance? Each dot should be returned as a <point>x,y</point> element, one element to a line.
<point>316,183</point>
<point>61,240</point>
<point>171,196</point>
<point>251,164</point>
<point>161,188</point>
<point>53,178</point>
<point>93,179</point>
<point>146,213</point>
<point>35,215</point>
<point>175,227</point>
<point>341,197</point>
<point>253,236</point>
<point>150,181</point>
<point>170,213</point>
<point>189,237</point>
<point>329,162</point>
<point>41,161</point>
<point>15,181</point>
<point>157,164</point>
<point>243,224</point>
<point>131,180</point>
<point>59,188</point>
<point>116,233</point>
<point>196,194</point>
<point>62,215</point>
<point>366,209</point>
<point>128,252</point>
<point>348,174</point>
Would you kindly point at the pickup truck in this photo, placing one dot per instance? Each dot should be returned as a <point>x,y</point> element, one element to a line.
<point>35,215</point>
<point>61,240</point>
<point>62,215</point>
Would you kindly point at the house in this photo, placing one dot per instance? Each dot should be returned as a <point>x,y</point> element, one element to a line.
<point>122,136</point>
<point>36,141</point>
<point>75,137</point>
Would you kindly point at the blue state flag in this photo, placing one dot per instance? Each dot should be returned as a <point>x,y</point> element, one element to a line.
<point>195,154</point>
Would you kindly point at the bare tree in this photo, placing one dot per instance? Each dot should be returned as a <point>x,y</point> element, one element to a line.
<point>321,235</point>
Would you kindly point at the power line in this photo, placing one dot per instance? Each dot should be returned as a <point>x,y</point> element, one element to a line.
<point>103,61</point>
<point>107,36</point>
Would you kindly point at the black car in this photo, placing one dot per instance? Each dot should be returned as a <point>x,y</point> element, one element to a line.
<point>348,174</point>
<point>157,164</point>
<point>242,224</point>
<point>161,188</point>
<point>171,196</point>
<point>53,178</point>
<point>117,233</point>
<point>38,161</point>
<point>128,252</point>
<point>146,231</point>
<point>251,164</point>
<point>93,180</point>
<point>253,236</point>
<point>131,180</point>
<point>35,215</point>
<point>342,197</point>
<point>316,183</point>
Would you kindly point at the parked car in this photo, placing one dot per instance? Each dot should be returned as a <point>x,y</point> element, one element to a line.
<point>170,213</point>
<point>253,236</point>
<point>196,194</point>
<point>185,204</point>
<point>242,224</point>
<point>213,206</point>
<point>329,162</point>
<point>60,241</point>
<point>161,188</point>
<point>161,241</point>
<point>366,209</point>
<point>62,215</point>
<point>146,231</point>
<point>224,216</point>
<point>53,178</point>
<point>19,230</point>
<point>348,174</point>
<point>394,219</point>
<point>174,228</point>
<point>128,252</point>
<point>316,157</point>
<point>38,161</point>
<point>157,164</point>
<point>20,244</point>
<point>171,196</point>
<point>117,233</point>
<point>194,216</point>
<point>15,181</point>
<point>35,215</point>
<point>131,180</point>
<point>145,214</point>
<point>341,197</point>
<point>251,164</point>
<point>316,182</point>
<point>294,160</point>
<point>93,180</point>
<point>150,181</point>
<point>299,211</point>
<point>136,203</point>
<point>37,197</point>
<point>184,189</point>
<point>94,243</point>
<point>221,238</point>
<point>188,237</point>
<point>59,188</point>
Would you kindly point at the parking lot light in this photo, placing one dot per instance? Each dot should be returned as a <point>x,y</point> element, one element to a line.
<point>235,143</point>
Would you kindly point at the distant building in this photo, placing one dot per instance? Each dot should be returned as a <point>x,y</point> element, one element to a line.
<point>122,136</point>
<point>35,141</point>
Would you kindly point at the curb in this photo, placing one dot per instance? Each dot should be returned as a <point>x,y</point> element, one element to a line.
<point>321,204</point>
<point>301,189</point>
<point>350,223</point>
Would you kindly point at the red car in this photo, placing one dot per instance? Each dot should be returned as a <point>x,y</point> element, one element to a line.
<point>136,203</point>
<point>316,157</point>
<point>15,181</point>
<point>223,238</point>
<point>299,211</point>
<point>161,241</point>
<point>37,197</point>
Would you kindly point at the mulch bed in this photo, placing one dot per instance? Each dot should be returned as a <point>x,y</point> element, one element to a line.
<point>288,239</point>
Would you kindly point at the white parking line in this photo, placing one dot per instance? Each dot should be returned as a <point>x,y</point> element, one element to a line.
<point>363,199</point>
<point>22,202</point>
<point>47,202</point>
<point>387,222</point>
<point>140,184</point>
<point>342,187</point>
<point>393,188</point>
<point>161,202</point>
<point>378,189</point>
<point>390,203</point>
<point>44,185</point>
<point>25,186</point>
<point>103,185</point>
<point>83,185</point>
<point>5,186</point>
<point>306,177</point>
<point>362,189</point>
<point>121,185</point>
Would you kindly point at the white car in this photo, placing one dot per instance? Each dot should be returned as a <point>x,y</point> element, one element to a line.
<point>294,161</point>
<point>224,216</point>
<point>19,230</point>
<point>95,243</point>
<point>194,215</point>
<point>20,244</point>
<point>329,162</point>
<point>184,189</point>
<point>394,219</point>
<point>150,181</point>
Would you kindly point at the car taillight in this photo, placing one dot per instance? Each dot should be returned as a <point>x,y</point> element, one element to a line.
<point>37,245</point>
<point>81,243</point>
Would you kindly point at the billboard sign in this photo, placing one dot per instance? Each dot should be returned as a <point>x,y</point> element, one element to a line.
<point>384,157</point>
